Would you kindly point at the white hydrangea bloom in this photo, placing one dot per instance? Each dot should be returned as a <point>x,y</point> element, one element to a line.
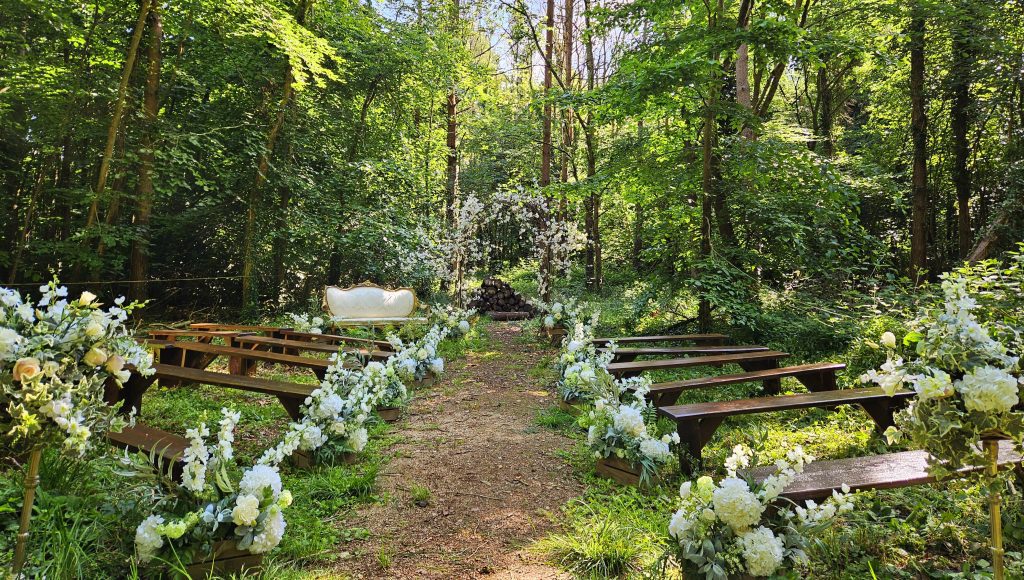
<point>273,531</point>
<point>736,505</point>
<point>259,477</point>
<point>148,540</point>
<point>989,390</point>
<point>763,551</point>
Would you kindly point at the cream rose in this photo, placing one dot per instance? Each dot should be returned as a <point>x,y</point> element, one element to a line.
<point>95,357</point>
<point>27,369</point>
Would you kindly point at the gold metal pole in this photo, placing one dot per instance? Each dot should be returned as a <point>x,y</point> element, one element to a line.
<point>31,482</point>
<point>994,499</point>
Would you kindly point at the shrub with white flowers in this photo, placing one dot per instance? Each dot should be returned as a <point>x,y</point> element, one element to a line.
<point>623,424</point>
<point>56,358</point>
<point>212,503</point>
<point>736,527</point>
<point>967,383</point>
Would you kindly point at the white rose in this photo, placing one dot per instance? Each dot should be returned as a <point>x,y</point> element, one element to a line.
<point>94,330</point>
<point>26,369</point>
<point>247,509</point>
<point>86,298</point>
<point>889,340</point>
<point>95,357</point>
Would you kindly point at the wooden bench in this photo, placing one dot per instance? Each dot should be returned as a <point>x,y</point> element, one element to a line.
<point>289,334</point>
<point>631,354</point>
<point>696,423</point>
<point>291,395</point>
<point>887,471</point>
<point>266,343</point>
<point>206,336</point>
<point>166,449</point>
<point>199,355</point>
<point>816,377</point>
<point>751,361</point>
<point>706,339</point>
<point>216,326</point>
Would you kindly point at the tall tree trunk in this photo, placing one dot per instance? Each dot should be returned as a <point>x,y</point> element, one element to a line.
<point>708,185</point>
<point>743,97</point>
<point>138,288</point>
<point>567,115</point>
<point>824,123</point>
<point>262,167</point>
<point>115,121</point>
<point>959,122</point>
<point>919,135</point>
<point>546,264</point>
<point>593,204</point>
<point>452,111</point>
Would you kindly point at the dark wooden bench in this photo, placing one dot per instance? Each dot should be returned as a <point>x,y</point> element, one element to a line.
<point>887,471</point>
<point>631,354</point>
<point>206,336</point>
<point>199,355</point>
<point>696,423</point>
<point>166,449</point>
<point>708,339</point>
<point>291,395</point>
<point>750,361</point>
<point>816,377</point>
<point>266,343</point>
<point>216,326</point>
<point>290,334</point>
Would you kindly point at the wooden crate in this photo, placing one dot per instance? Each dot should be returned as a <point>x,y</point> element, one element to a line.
<point>225,559</point>
<point>622,472</point>
<point>424,382</point>
<point>569,407</point>
<point>555,335</point>
<point>390,414</point>
<point>303,460</point>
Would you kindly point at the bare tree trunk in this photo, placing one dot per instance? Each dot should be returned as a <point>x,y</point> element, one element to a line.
<point>546,264</point>
<point>262,167</point>
<point>919,133</point>
<point>567,115</point>
<point>451,191</point>
<point>824,131</point>
<point>138,288</point>
<point>743,97</point>
<point>708,185</point>
<point>115,121</point>
<point>960,121</point>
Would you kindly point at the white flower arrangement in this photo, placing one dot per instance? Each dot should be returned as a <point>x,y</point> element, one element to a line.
<point>455,319</point>
<point>734,527</point>
<point>56,358</point>
<point>567,314</point>
<point>209,506</point>
<point>582,371</point>
<point>622,423</point>
<point>966,382</point>
<point>307,323</point>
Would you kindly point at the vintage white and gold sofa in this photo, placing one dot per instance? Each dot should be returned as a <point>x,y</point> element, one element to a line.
<point>368,304</point>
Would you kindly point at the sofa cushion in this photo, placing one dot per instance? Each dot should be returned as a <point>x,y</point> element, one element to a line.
<point>367,301</point>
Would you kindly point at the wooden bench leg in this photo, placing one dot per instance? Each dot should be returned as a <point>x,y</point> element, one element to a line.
<point>770,386</point>
<point>882,412</point>
<point>292,405</point>
<point>819,381</point>
<point>129,397</point>
<point>625,358</point>
<point>664,399</point>
<point>694,434</point>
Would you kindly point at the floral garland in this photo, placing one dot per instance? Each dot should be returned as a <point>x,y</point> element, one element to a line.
<point>457,320</point>
<point>734,527</point>
<point>339,409</point>
<point>208,505</point>
<point>966,382</point>
<point>56,357</point>
<point>566,315</point>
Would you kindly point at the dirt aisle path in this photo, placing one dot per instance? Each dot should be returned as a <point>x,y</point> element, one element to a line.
<point>494,476</point>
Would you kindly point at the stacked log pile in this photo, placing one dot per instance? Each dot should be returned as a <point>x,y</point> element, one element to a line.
<point>498,300</point>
